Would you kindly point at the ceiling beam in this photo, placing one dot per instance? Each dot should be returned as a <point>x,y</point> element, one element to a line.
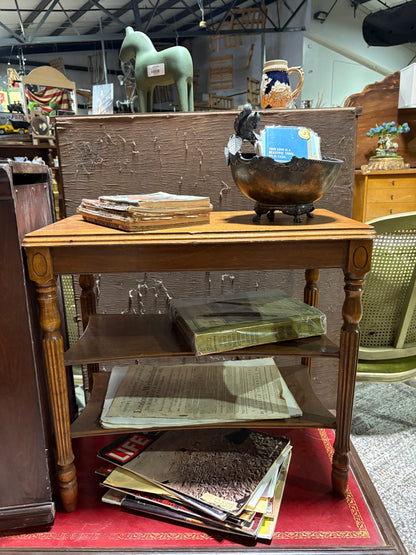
<point>35,12</point>
<point>74,18</point>
<point>22,29</point>
<point>107,13</point>
<point>18,38</point>
<point>168,31</point>
<point>149,20</point>
<point>43,19</point>
<point>137,18</point>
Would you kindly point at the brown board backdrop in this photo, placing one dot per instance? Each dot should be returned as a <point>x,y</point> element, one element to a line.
<point>184,153</point>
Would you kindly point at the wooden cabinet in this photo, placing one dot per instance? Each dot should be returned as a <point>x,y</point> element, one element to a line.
<point>26,497</point>
<point>22,146</point>
<point>229,242</point>
<point>381,193</point>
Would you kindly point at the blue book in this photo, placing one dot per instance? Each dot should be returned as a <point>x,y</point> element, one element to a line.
<point>282,143</point>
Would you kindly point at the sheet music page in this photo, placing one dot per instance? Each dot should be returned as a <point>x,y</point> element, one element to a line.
<point>210,392</point>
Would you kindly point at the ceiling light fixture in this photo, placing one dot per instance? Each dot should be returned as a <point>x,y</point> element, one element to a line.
<point>202,23</point>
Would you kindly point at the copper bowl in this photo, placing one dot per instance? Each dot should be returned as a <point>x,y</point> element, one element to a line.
<point>292,187</point>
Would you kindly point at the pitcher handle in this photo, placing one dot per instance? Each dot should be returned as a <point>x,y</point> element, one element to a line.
<point>301,77</point>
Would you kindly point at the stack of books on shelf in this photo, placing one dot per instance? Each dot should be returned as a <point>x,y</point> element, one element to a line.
<point>217,324</point>
<point>146,211</point>
<point>228,481</point>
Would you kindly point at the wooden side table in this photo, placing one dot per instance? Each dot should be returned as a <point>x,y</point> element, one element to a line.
<point>383,192</point>
<point>230,242</point>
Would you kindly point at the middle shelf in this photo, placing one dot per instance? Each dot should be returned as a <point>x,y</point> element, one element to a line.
<point>113,337</point>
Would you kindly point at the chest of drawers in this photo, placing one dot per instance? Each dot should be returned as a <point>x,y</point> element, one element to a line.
<point>381,193</point>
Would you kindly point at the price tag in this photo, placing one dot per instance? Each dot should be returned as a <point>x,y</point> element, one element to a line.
<point>304,133</point>
<point>155,69</point>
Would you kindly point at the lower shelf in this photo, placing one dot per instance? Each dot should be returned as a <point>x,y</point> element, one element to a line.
<point>315,414</point>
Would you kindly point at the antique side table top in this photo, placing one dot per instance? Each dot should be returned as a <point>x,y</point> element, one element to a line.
<point>231,241</point>
<point>224,226</point>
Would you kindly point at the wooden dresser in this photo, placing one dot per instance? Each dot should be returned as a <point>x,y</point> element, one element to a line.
<point>383,192</point>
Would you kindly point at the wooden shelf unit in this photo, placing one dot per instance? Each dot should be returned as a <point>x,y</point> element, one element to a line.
<point>229,242</point>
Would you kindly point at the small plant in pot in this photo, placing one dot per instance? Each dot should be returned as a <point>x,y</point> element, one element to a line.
<point>386,133</point>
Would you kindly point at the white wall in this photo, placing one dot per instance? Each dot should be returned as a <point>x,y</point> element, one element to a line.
<point>268,46</point>
<point>338,62</point>
<point>242,66</point>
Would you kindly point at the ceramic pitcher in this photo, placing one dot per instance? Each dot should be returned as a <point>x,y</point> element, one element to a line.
<point>275,89</point>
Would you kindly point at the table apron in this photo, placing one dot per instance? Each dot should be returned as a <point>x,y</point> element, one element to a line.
<point>200,256</point>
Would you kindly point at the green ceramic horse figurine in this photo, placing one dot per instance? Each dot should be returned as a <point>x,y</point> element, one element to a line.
<point>153,68</point>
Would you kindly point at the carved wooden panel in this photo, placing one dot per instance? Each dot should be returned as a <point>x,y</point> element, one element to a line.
<point>379,102</point>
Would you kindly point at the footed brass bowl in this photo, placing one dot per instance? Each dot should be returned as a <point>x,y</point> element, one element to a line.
<point>291,187</point>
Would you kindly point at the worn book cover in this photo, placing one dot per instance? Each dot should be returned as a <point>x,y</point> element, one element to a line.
<point>229,322</point>
<point>158,200</point>
<point>143,213</point>
<point>283,142</point>
<point>126,220</point>
<point>218,468</point>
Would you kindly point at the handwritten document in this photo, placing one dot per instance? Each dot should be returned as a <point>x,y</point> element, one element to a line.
<point>145,396</point>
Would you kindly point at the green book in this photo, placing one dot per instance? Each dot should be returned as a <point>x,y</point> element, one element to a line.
<point>216,324</point>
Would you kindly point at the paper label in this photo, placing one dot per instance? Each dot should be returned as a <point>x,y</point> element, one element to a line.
<point>225,504</point>
<point>155,69</point>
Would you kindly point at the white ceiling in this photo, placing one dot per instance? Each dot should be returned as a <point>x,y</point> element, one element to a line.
<point>46,25</point>
<point>35,22</point>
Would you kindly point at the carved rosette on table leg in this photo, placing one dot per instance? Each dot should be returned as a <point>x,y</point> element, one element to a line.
<point>311,297</point>
<point>41,272</point>
<point>88,307</point>
<point>358,266</point>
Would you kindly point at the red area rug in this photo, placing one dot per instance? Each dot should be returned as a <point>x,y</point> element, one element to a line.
<point>310,515</point>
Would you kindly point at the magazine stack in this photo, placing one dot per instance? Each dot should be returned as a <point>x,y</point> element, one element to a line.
<point>226,480</point>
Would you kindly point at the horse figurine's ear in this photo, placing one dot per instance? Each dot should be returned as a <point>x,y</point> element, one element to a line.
<point>129,30</point>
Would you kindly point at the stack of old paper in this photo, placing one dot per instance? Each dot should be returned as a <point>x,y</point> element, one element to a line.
<point>142,212</point>
<point>225,480</point>
<point>151,396</point>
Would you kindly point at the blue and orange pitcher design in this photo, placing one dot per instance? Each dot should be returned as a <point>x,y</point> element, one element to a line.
<point>275,91</point>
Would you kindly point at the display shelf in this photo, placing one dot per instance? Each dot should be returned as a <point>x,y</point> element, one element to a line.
<point>128,336</point>
<point>297,378</point>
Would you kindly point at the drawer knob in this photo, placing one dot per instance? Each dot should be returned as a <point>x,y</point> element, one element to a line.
<point>391,210</point>
<point>392,197</point>
<point>393,182</point>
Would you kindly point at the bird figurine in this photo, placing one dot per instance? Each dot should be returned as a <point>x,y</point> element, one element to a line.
<point>245,123</point>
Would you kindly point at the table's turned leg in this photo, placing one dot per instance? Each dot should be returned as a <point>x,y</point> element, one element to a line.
<point>40,271</point>
<point>311,297</point>
<point>88,307</point>
<point>359,264</point>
